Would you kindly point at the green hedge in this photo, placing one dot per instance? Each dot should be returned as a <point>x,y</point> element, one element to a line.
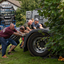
<point>54,11</point>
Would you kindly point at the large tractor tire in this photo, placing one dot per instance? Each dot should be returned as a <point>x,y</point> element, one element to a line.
<point>36,44</point>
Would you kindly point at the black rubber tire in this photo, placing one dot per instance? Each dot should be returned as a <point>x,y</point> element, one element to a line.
<point>30,44</point>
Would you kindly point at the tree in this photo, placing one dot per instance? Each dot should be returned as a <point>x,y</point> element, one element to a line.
<point>54,11</point>
<point>26,5</point>
<point>20,18</point>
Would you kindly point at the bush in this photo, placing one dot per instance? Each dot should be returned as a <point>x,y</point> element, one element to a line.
<point>54,11</point>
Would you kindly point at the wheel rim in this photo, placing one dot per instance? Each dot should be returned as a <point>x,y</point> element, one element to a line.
<point>39,45</point>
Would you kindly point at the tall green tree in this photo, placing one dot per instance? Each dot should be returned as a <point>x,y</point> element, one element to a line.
<point>26,5</point>
<point>54,11</point>
<point>20,18</point>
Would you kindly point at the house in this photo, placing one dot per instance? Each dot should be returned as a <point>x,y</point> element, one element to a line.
<point>16,4</point>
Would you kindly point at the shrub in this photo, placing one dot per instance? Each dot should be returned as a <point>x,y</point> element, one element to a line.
<point>54,11</point>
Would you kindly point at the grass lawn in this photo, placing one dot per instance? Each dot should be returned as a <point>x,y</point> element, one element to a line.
<point>21,57</point>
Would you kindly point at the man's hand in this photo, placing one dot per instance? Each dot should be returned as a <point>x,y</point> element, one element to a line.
<point>34,27</point>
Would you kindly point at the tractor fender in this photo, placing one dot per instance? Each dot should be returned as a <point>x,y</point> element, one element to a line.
<point>29,34</point>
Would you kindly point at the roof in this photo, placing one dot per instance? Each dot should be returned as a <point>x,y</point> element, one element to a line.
<point>15,2</point>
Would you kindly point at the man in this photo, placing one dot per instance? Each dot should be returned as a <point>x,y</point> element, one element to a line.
<point>28,25</point>
<point>16,38</point>
<point>35,24</point>
<point>4,37</point>
<point>22,29</point>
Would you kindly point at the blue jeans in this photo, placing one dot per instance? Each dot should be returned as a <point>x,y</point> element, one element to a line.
<point>11,41</point>
<point>4,45</point>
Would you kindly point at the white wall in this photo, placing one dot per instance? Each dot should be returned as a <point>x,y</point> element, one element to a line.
<point>6,2</point>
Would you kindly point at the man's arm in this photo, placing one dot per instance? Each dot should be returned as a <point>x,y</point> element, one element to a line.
<point>17,31</point>
<point>19,34</point>
<point>33,26</point>
<point>28,28</point>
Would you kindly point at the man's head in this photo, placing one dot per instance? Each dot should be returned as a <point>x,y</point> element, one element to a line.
<point>30,22</point>
<point>22,29</point>
<point>36,20</point>
<point>12,26</point>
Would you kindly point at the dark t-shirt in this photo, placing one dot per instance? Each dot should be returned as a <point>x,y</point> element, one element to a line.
<point>35,25</point>
<point>7,32</point>
<point>26,25</point>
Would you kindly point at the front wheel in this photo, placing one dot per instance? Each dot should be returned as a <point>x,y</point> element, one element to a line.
<point>36,44</point>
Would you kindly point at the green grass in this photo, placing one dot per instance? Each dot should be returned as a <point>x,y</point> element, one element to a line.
<point>0,0</point>
<point>21,57</point>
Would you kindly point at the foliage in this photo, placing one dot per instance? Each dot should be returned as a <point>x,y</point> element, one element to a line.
<point>20,18</point>
<point>0,0</point>
<point>26,5</point>
<point>54,11</point>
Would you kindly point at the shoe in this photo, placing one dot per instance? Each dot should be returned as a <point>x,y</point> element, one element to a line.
<point>21,47</point>
<point>13,50</point>
<point>4,56</point>
<point>9,53</point>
